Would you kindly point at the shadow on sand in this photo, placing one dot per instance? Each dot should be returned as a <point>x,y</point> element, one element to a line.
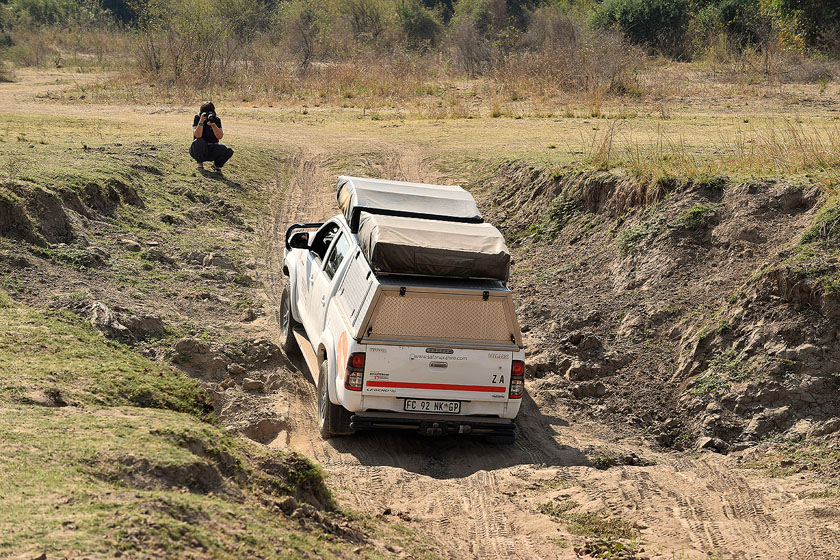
<point>459,456</point>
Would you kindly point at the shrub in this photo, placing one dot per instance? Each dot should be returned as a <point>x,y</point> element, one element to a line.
<point>419,26</point>
<point>827,225</point>
<point>58,12</point>
<point>486,16</point>
<point>470,49</point>
<point>818,21</point>
<point>6,75</point>
<point>692,218</point>
<point>551,29</point>
<point>192,39</point>
<point>365,17</point>
<point>301,25</point>
<point>659,24</point>
<point>5,27</point>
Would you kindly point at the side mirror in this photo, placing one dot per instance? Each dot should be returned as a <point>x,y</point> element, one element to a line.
<point>300,240</point>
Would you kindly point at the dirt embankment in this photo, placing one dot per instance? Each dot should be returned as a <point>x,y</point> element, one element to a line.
<point>616,283</point>
<point>685,308</point>
<point>166,272</point>
<point>586,476</point>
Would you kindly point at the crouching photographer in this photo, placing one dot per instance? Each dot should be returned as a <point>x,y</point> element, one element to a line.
<point>207,132</point>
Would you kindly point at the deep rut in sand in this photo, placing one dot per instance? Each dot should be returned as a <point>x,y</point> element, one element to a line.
<point>473,500</point>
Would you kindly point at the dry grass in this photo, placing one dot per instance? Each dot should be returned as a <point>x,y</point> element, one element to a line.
<point>770,148</point>
<point>585,75</point>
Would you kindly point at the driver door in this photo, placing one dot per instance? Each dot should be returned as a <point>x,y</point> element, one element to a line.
<point>314,261</point>
<point>324,281</point>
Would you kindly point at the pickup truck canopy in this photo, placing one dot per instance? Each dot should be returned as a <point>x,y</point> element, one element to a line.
<point>398,198</point>
<point>397,245</point>
<point>404,309</point>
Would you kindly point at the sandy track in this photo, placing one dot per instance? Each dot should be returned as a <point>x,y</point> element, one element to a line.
<point>472,500</point>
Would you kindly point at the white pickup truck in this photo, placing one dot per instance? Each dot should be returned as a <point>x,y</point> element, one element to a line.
<point>400,308</point>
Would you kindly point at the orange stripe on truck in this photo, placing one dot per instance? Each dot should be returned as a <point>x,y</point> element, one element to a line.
<point>436,386</point>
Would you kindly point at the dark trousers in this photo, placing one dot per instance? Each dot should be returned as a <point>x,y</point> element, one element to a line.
<point>201,151</point>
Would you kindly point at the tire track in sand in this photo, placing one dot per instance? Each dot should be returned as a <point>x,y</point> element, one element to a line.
<point>458,493</point>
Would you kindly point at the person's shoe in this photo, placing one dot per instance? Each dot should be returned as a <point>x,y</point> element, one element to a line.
<point>215,169</point>
<point>199,167</point>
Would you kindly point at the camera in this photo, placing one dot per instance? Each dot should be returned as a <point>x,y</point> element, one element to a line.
<point>211,117</point>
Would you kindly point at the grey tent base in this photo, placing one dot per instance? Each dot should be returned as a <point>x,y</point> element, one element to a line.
<point>398,245</point>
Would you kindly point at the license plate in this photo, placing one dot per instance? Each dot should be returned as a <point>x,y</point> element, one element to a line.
<point>441,407</point>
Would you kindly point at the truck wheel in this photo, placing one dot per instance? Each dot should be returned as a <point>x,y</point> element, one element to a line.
<point>287,323</point>
<point>333,419</point>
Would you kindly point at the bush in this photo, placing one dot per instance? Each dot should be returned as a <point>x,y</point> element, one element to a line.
<point>58,12</point>
<point>729,26</point>
<point>5,27</point>
<point>419,26</point>
<point>471,51</point>
<point>189,40</point>
<point>551,29</point>
<point>301,26</point>
<point>818,21</point>
<point>659,24</point>
<point>365,17</point>
<point>488,17</point>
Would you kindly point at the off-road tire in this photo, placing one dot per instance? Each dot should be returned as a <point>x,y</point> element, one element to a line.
<point>333,419</point>
<point>287,324</point>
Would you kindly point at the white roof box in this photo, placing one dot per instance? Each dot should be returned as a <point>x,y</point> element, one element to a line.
<point>410,200</point>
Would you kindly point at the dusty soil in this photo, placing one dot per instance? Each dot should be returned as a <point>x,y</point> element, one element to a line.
<point>576,454</point>
<point>474,500</point>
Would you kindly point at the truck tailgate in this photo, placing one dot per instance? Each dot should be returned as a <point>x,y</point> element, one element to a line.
<point>451,374</point>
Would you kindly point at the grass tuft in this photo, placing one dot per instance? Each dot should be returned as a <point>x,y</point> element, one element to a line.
<point>692,218</point>
<point>588,524</point>
<point>724,369</point>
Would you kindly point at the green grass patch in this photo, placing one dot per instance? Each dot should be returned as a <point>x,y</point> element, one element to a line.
<point>724,369</point>
<point>71,255</point>
<point>49,352</point>
<point>826,226</point>
<point>631,238</point>
<point>613,549</point>
<point>105,453</point>
<point>818,457</point>
<point>75,482</point>
<point>691,218</point>
<point>588,524</point>
<point>818,252</point>
<point>556,217</point>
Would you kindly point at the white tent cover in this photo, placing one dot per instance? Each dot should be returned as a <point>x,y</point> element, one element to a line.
<point>398,198</point>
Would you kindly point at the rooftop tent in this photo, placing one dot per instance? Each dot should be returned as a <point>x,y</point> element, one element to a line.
<point>398,198</point>
<point>399,245</point>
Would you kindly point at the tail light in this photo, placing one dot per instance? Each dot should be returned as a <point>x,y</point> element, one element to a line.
<point>517,379</point>
<point>355,372</point>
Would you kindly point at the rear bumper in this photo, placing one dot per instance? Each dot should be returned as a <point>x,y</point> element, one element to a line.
<point>433,424</point>
<point>360,403</point>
